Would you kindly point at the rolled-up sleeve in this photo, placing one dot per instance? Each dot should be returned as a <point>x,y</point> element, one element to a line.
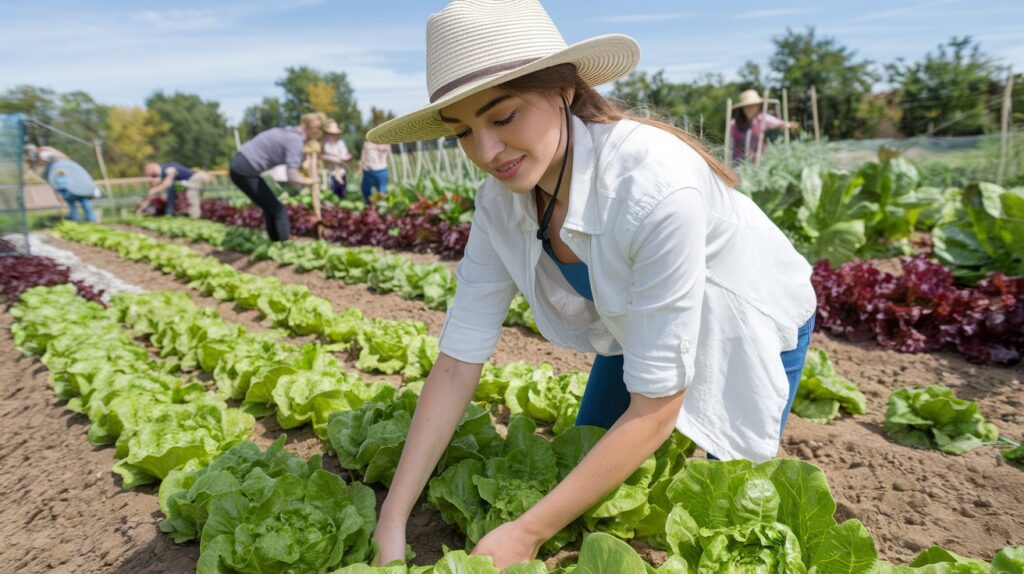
<point>482,297</point>
<point>663,317</point>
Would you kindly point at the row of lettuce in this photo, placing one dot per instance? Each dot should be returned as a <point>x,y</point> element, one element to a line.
<point>255,511</point>
<point>879,210</point>
<point>167,318</point>
<point>921,310</point>
<point>930,417</point>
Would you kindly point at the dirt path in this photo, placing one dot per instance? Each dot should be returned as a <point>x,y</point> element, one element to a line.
<point>909,499</point>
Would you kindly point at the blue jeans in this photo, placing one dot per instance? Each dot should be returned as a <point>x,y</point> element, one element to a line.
<point>374,178</point>
<point>73,202</point>
<point>606,397</point>
<point>172,196</point>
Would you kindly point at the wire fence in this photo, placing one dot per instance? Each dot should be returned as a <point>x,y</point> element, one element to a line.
<point>13,216</point>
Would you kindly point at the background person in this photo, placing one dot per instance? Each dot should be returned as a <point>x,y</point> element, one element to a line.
<point>627,238</point>
<point>749,120</point>
<point>69,179</point>
<point>374,161</point>
<point>170,177</point>
<point>270,148</point>
<point>335,156</point>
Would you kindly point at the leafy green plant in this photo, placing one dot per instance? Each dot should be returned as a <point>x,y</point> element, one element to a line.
<point>988,235</point>
<point>932,417</point>
<point>823,391</point>
<point>775,516</point>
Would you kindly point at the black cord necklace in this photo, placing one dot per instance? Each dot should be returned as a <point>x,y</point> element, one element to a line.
<point>542,231</point>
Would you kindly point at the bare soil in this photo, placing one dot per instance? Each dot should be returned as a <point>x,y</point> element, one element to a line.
<point>64,511</point>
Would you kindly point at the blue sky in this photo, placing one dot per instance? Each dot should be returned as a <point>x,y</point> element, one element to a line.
<point>120,52</point>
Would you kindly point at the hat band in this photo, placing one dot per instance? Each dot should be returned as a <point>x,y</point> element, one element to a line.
<point>476,75</point>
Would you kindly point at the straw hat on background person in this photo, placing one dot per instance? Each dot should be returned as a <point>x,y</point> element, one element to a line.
<point>332,128</point>
<point>473,45</point>
<point>749,98</point>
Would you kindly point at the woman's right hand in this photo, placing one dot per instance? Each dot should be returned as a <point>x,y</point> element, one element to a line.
<point>390,538</point>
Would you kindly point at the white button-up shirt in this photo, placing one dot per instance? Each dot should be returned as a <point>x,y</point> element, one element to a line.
<point>692,283</point>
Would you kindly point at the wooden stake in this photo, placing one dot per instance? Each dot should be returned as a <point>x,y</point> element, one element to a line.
<point>103,166</point>
<point>760,133</point>
<point>314,173</point>
<point>238,141</point>
<point>1004,127</point>
<point>785,115</point>
<point>814,112</point>
<point>727,141</point>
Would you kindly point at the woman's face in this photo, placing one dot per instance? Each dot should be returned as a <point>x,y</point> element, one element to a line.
<point>751,110</point>
<point>514,137</point>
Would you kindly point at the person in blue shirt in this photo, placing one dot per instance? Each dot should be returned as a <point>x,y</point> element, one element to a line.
<point>70,180</point>
<point>171,177</point>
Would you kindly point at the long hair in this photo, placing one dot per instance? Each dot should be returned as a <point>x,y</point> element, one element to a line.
<point>590,106</point>
<point>740,117</point>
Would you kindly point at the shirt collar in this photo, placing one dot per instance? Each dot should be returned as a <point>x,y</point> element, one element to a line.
<point>585,212</point>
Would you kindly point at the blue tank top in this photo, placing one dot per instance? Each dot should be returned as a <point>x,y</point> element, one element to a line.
<point>575,273</point>
<point>182,174</point>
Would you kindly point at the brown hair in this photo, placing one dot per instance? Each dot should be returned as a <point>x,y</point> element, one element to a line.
<point>590,106</point>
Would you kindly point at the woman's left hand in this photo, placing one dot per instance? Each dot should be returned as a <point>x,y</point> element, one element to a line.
<point>508,544</point>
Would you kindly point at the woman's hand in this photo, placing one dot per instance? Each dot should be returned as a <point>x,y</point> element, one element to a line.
<point>390,538</point>
<point>509,544</point>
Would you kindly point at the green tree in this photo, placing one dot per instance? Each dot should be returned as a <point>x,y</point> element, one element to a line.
<point>305,87</point>
<point>267,114</point>
<point>81,115</point>
<point>954,91</point>
<point>197,133</point>
<point>698,106</point>
<point>802,60</point>
<point>37,103</point>
<point>131,133</point>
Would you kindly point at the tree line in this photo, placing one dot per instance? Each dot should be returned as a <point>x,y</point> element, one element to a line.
<point>179,126</point>
<point>957,89</point>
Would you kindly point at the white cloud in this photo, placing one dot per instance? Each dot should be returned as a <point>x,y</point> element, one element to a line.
<point>120,61</point>
<point>632,18</point>
<point>774,13</point>
<point>179,20</point>
<point>884,14</point>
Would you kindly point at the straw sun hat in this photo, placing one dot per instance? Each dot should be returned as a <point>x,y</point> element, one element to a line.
<point>332,128</point>
<point>473,45</point>
<point>749,98</point>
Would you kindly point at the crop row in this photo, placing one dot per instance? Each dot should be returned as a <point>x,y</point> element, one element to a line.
<point>256,511</point>
<point>385,272</point>
<point>928,418</point>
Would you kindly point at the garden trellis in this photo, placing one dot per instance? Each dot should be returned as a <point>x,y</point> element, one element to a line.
<point>13,217</point>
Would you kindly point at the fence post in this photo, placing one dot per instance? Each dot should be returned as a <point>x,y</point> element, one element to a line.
<point>814,113</point>
<point>727,143</point>
<point>785,115</point>
<point>103,166</point>
<point>1004,127</point>
<point>760,135</point>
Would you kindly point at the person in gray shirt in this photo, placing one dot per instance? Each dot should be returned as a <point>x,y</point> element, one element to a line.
<point>74,185</point>
<point>270,148</point>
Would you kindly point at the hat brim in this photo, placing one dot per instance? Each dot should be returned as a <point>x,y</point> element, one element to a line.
<point>598,61</point>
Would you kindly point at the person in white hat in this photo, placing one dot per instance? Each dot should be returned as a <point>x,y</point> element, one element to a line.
<point>628,240</point>
<point>335,156</point>
<point>749,119</point>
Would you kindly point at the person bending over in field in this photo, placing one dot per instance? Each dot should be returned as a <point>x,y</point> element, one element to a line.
<point>269,148</point>
<point>171,177</point>
<point>628,239</point>
<point>68,178</point>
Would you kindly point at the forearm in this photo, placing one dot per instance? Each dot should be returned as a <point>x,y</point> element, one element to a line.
<point>634,437</point>
<point>445,396</point>
<point>296,178</point>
